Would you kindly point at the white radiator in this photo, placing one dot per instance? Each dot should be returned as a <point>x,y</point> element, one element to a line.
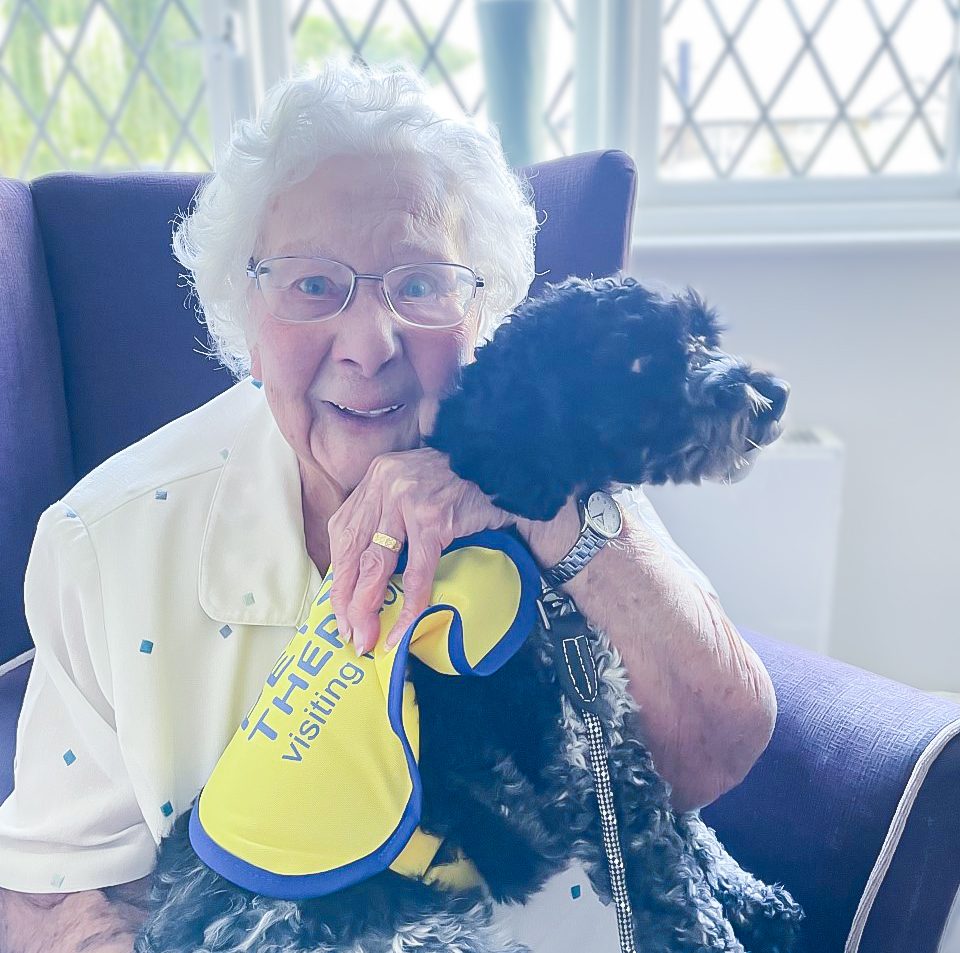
<point>768,543</point>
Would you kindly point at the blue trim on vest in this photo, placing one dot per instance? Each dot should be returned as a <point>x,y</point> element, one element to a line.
<point>306,886</point>
<point>523,621</point>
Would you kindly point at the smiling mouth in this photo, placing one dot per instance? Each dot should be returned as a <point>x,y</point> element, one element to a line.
<point>365,414</point>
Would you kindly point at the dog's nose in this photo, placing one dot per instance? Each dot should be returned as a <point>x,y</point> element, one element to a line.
<point>777,390</point>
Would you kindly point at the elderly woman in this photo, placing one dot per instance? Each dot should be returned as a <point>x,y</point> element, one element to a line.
<point>163,586</point>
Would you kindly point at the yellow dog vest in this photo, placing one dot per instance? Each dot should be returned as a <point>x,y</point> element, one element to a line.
<point>319,787</point>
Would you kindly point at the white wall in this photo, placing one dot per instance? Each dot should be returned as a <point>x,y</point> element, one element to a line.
<point>868,335</point>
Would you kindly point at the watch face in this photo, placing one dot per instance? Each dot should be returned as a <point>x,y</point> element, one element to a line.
<point>604,514</point>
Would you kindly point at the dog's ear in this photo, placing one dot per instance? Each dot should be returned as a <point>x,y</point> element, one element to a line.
<point>702,320</point>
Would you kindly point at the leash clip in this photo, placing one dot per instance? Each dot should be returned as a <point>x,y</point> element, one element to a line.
<point>553,605</point>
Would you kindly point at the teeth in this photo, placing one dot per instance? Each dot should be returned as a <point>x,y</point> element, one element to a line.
<point>369,413</point>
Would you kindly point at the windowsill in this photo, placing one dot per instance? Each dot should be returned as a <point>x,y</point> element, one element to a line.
<point>797,224</point>
<point>793,240</point>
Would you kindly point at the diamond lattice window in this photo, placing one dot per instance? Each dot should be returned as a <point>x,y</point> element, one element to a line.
<point>807,88</point>
<point>442,40</point>
<point>101,85</point>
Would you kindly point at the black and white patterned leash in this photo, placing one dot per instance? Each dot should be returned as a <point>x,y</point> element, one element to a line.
<point>577,670</point>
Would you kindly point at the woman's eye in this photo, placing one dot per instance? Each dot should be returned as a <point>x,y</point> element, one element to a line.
<point>418,288</point>
<point>317,286</point>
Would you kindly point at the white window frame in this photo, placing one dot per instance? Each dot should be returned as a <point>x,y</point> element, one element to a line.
<point>617,99</point>
<point>618,65</point>
<point>247,48</point>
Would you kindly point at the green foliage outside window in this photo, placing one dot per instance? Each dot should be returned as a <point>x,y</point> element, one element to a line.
<point>79,111</point>
<point>106,68</point>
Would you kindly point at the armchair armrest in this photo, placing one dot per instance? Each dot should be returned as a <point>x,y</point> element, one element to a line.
<point>854,805</point>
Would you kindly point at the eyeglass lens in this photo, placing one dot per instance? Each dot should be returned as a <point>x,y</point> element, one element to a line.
<point>311,289</point>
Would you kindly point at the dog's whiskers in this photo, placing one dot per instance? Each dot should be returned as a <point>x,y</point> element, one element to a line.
<point>758,399</point>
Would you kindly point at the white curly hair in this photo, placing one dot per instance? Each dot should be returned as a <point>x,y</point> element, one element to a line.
<point>354,109</point>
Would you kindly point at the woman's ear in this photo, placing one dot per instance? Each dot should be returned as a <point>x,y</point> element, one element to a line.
<point>251,322</point>
<point>483,301</point>
<point>253,345</point>
<point>476,322</point>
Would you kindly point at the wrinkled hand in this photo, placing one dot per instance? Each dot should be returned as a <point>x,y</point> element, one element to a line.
<point>414,497</point>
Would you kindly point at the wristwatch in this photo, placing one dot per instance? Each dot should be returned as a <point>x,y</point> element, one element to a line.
<point>600,521</point>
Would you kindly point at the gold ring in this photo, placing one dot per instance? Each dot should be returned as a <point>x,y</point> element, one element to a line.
<point>382,539</point>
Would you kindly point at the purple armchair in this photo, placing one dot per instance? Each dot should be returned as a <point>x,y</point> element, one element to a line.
<point>855,805</point>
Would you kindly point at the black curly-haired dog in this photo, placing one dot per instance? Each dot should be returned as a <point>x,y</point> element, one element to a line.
<point>595,384</point>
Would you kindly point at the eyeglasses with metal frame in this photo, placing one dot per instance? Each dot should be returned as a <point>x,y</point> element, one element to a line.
<point>302,289</point>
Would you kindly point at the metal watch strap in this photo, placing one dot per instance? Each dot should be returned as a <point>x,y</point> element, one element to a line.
<point>586,547</point>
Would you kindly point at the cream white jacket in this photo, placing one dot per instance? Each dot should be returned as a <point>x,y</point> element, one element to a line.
<point>159,592</point>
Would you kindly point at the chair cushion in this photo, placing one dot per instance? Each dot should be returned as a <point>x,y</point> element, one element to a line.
<point>35,465</point>
<point>586,204</point>
<point>129,336</point>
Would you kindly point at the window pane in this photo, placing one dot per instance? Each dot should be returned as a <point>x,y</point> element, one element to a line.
<point>98,86</point>
<point>805,88</point>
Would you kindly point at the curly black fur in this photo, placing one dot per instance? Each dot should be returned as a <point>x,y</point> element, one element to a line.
<point>603,381</point>
<point>597,383</point>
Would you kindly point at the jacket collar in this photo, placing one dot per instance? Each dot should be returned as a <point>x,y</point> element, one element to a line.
<point>254,565</point>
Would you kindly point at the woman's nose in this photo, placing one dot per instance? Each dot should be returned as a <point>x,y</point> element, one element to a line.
<point>366,331</point>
